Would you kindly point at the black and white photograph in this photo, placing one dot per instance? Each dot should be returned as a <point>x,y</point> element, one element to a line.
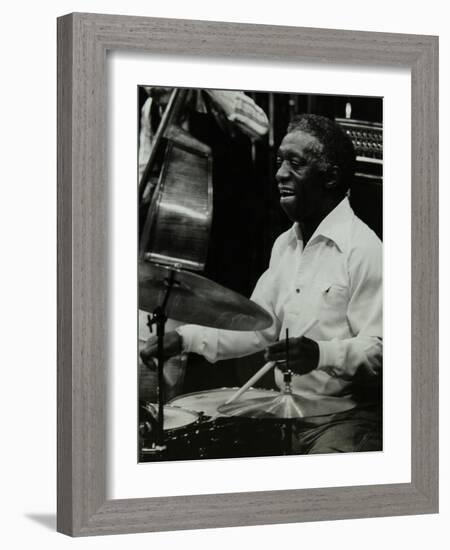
<point>260,273</point>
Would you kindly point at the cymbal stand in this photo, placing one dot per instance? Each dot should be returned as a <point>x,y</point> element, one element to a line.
<point>287,428</point>
<point>159,318</point>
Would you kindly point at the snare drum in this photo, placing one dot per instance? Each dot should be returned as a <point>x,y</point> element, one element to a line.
<point>207,402</point>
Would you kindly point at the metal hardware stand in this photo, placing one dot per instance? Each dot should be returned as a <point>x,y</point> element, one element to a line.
<point>159,318</point>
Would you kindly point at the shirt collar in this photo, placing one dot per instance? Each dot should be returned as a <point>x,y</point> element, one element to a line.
<point>334,226</point>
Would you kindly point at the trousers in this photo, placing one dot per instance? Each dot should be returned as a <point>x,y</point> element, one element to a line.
<point>359,429</point>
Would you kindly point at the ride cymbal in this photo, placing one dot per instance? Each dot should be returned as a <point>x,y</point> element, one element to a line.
<point>196,299</point>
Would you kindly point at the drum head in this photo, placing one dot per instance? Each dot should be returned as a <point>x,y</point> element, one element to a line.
<point>207,402</point>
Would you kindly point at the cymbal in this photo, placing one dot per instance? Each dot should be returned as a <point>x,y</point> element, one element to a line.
<point>196,299</point>
<point>285,405</point>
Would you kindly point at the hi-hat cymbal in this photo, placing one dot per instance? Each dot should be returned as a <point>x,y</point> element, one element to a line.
<point>285,405</point>
<point>195,299</point>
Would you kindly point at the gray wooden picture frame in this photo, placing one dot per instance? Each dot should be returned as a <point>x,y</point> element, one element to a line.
<point>83,42</point>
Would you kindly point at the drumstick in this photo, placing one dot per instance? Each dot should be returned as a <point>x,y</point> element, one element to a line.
<point>262,371</point>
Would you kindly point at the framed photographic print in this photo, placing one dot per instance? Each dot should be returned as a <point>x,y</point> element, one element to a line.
<point>247,282</point>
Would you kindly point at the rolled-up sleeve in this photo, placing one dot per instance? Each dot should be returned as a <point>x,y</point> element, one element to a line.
<point>242,111</point>
<point>145,137</point>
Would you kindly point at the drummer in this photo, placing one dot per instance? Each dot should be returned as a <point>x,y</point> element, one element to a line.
<point>327,267</point>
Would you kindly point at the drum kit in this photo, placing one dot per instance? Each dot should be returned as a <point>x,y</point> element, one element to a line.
<point>221,422</point>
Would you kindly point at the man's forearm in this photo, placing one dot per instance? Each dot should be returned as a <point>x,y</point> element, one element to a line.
<point>216,345</point>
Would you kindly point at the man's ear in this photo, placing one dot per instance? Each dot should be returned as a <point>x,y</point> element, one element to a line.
<point>333,179</point>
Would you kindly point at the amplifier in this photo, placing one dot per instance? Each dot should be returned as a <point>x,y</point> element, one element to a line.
<point>366,192</point>
<point>367,138</point>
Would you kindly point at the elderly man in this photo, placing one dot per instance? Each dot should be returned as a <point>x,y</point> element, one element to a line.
<point>327,267</point>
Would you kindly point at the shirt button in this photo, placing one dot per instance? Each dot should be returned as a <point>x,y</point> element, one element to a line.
<point>297,290</point>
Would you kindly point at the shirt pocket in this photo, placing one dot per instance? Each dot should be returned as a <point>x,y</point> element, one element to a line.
<point>333,299</point>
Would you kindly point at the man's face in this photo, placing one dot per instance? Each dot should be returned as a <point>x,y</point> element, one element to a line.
<point>301,179</point>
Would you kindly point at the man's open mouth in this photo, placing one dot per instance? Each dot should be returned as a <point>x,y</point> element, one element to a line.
<point>286,192</point>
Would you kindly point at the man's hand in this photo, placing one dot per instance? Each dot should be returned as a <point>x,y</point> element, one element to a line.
<point>172,346</point>
<point>303,354</point>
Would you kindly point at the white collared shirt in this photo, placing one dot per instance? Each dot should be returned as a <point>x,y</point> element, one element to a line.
<point>337,279</point>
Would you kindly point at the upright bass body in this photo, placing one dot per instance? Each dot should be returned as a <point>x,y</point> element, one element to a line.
<point>177,227</point>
